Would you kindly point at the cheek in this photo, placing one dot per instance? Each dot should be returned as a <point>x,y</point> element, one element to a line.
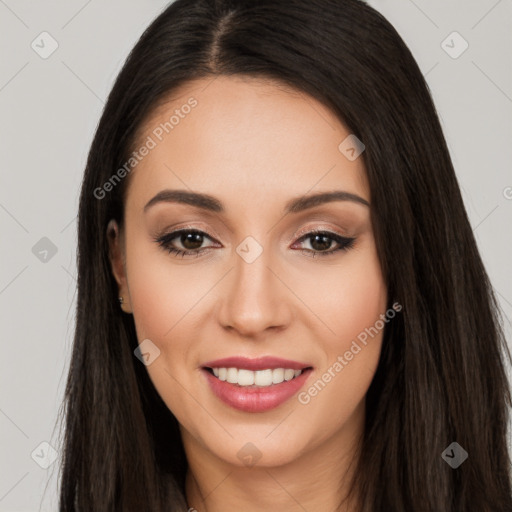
<point>161,293</point>
<point>361,328</point>
<point>347,297</point>
<point>353,305</point>
<point>364,299</point>
<point>162,300</point>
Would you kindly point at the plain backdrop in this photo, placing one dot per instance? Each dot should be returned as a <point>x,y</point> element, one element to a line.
<point>49,109</point>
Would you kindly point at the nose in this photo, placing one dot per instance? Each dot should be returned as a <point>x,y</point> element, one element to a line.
<point>253,298</point>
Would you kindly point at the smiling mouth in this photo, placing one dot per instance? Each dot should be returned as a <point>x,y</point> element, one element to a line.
<point>256,379</point>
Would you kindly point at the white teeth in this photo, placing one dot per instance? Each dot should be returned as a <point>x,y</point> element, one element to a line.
<point>232,376</point>
<point>261,378</point>
<point>278,375</point>
<point>245,378</point>
<point>289,374</point>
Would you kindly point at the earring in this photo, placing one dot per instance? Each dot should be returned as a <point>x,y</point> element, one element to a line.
<point>120,300</point>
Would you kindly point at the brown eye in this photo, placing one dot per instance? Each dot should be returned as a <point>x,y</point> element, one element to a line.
<point>321,241</point>
<point>190,239</point>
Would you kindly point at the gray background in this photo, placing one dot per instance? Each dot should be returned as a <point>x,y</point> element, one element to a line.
<point>49,109</point>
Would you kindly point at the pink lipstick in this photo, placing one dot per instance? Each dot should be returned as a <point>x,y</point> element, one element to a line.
<point>255,385</point>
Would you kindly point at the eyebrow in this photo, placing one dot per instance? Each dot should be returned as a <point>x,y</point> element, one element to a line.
<point>210,203</point>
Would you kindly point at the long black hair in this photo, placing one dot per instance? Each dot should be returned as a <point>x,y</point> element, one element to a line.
<point>441,377</point>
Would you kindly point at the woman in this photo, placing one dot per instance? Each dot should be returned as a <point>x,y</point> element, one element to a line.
<point>281,304</point>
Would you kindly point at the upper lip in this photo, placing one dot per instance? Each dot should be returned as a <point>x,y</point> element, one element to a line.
<point>260,363</point>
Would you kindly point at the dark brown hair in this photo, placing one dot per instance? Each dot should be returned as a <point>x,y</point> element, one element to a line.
<point>441,376</point>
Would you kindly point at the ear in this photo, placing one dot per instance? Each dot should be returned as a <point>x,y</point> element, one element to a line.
<point>118,262</point>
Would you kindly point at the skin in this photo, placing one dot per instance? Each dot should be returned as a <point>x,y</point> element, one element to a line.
<point>254,145</point>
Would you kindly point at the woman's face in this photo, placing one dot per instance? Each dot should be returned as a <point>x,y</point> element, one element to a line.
<point>258,283</point>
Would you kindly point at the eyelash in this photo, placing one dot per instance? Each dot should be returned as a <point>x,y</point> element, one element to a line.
<point>164,241</point>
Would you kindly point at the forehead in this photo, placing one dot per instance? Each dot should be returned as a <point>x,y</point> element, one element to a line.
<point>243,138</point>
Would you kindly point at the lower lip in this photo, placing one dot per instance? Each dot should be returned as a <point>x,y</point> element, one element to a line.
<point>255,399</point>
